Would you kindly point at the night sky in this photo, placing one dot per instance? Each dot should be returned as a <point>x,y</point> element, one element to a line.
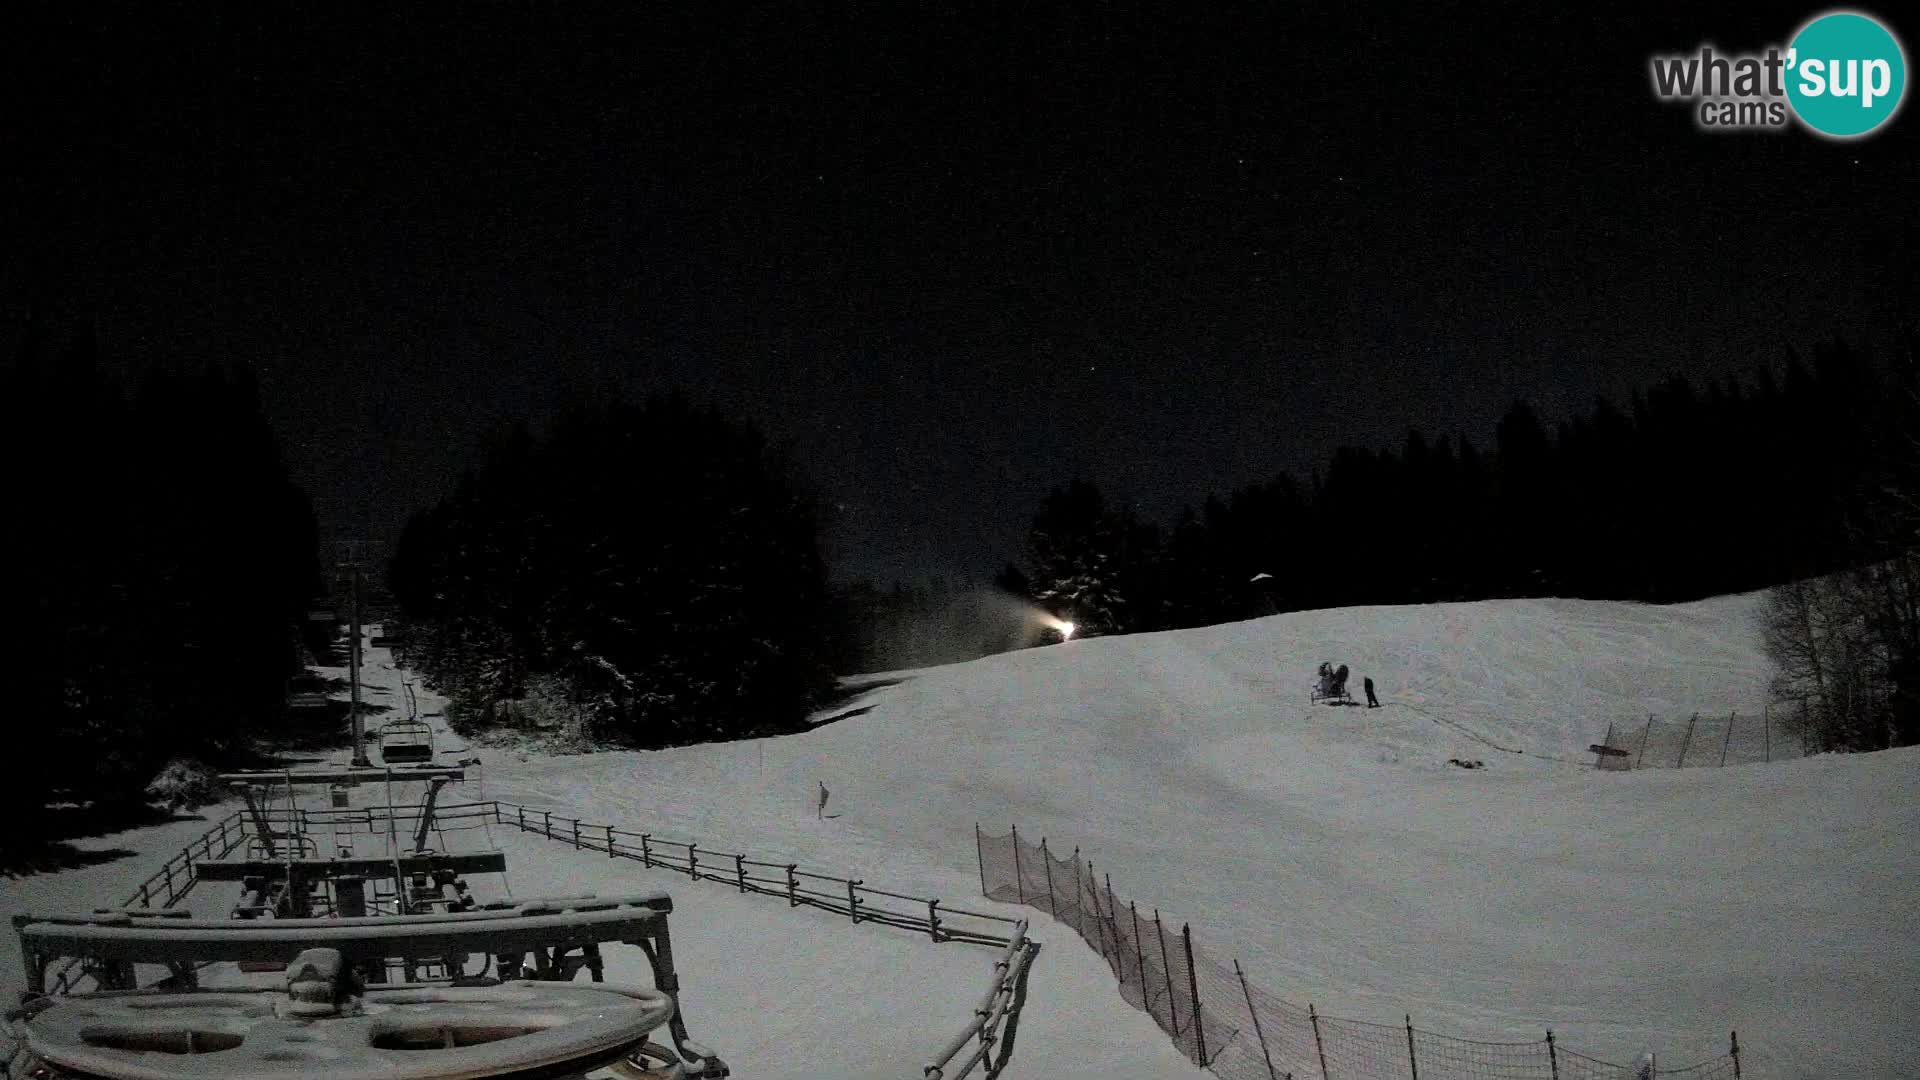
<point>946,256</point>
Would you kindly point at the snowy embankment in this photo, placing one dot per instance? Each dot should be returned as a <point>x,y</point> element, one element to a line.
<point>1337,853</point>
<point>1333,850</point>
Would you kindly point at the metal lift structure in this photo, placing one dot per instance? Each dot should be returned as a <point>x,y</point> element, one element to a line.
<point>351,964</point>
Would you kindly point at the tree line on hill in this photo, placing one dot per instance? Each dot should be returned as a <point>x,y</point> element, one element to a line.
<point>643,575</point>
<point>161,563</point>
<point>1806,476</point>
<point>1688,491</point>
<point>651,574</point>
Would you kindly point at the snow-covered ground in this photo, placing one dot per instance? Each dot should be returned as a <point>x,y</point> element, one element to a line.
<point>1333,850</point>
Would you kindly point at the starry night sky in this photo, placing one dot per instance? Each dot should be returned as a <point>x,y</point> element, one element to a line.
<point>946,255</point>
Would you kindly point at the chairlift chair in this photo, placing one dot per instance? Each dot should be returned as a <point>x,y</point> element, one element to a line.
<point>406,742</point>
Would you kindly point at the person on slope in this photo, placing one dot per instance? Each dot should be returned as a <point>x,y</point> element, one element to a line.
<point>1372,702</point>
<point>821,813</point>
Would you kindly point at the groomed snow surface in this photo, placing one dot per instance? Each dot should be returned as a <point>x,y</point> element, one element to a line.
<point>1333,850</point>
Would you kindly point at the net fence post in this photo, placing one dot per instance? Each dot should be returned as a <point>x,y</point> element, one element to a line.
<point>1113,931</point>
<point>1319,1048</point>
<point>1258,1032</point>
<point>1734,1037</point>
<point>1731,717</point>
<point>793,885</point>
<point>1099,941</point>
<point>611,854</point>
<point>1166,969</point>
<point>576,834</point>
<point>980,857</point>
<point>1019,882</point>
<point>1193,992</point>
<point>1412,1062</point>
<point>1687,743</point>
<point>1046,863</point>
<point>1607,742</point>
<point>1079,900</point>
<point>1139,958</point>
<point>1553,1058</point>
<point>740,871</point>
<point>1645,734</point>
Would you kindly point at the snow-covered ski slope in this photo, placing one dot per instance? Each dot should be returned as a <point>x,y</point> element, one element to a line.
<point>1337,853</point>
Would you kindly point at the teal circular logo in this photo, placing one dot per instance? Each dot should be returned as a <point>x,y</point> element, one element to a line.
<point>1845,74</point>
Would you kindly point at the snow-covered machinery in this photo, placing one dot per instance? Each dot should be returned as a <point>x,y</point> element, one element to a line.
<point>355,951</point>
<point>521,1017</point>
<point>1330,684</point>
<point>406,742</point>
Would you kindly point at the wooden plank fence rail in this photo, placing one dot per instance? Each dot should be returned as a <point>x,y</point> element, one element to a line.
<point>847,896</point>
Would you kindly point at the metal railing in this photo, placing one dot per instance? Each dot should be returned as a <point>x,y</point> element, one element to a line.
<point>167,886</point>
<point>992,1021</point>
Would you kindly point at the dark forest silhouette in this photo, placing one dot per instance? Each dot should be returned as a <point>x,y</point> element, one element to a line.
<point>648,573</point>
<point>653,572</point>
<point>1688,491</point>
<point>161,563</point>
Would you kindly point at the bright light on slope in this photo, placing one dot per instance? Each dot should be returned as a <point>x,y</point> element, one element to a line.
<point>1062,625</point>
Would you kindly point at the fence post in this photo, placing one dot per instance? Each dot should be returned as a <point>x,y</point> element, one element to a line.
<point>646,850</point>
<point>933,919</point>
<point>1079,901</point>
<point>1553,1058</point>
<point>793,886</point>
<point>1166,971</point>
<point>1139,959</point>
<point>523,817</point>
<point>1644,736</point>
<point>740,869</point>
<point>1731,717</point>
<point>1099,941</point>
<point>1193,990</point>
<point>1735,1037</point>
<point>693,861</point>
<point>1412,1062</point>
<point>1314,1018</point>
<point>576,834</point>
<point>1019,880</point>
<point>1608,741</point>
<point>1113,931</point>
<point>1766,733</point>
<point>547,823</point>
<point>1687,743</point>
<point>980,859</point>
<point>853,902</point>
<point>610,853</point>
<point>145,900</point>
<point>1255,1013</point>
<point>1101,919</point>
<point>1046,863</point>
